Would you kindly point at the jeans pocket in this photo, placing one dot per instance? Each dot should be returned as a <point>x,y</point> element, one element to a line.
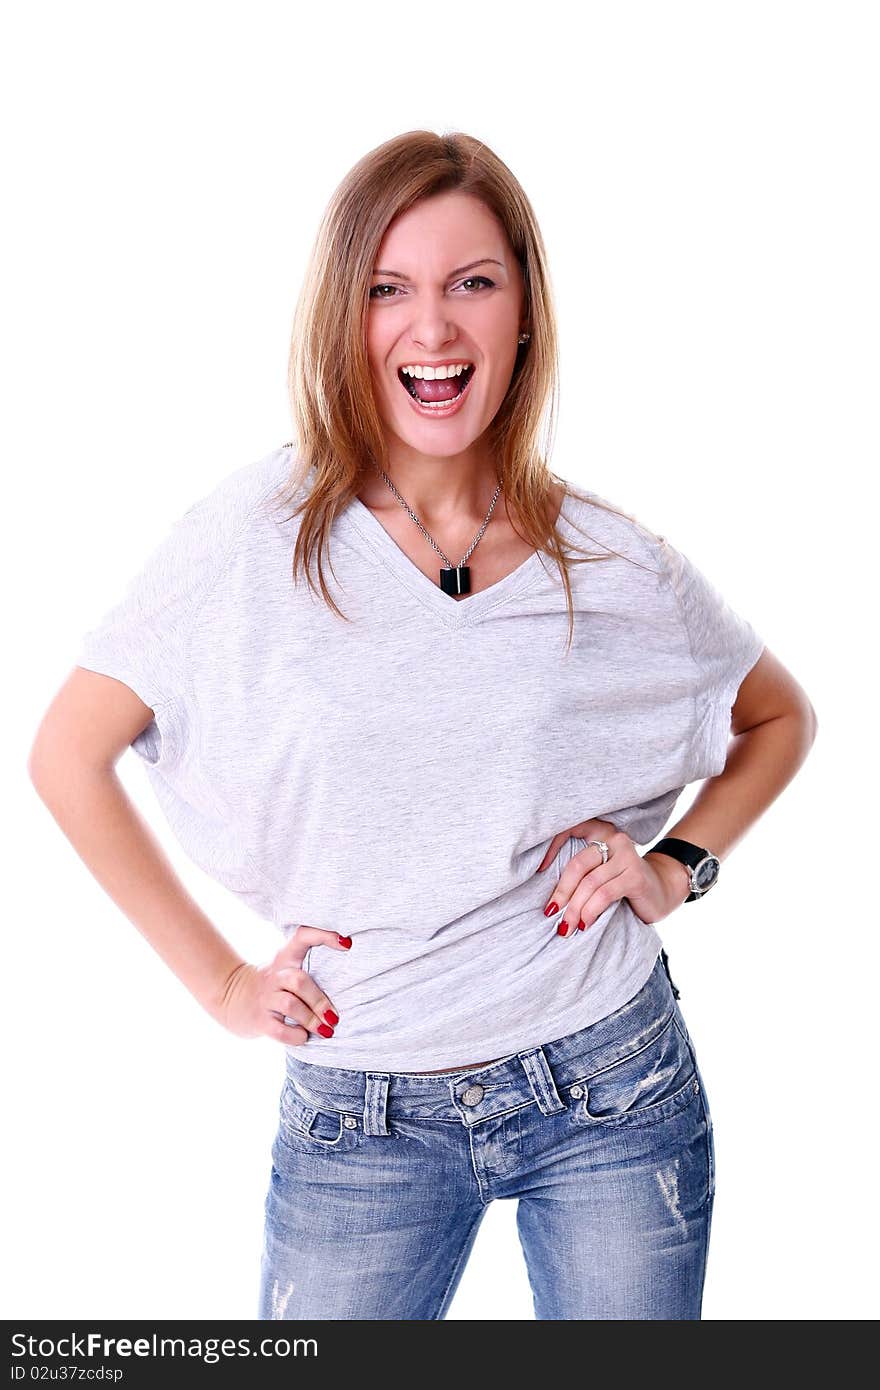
<point>649,1083</point>
<point>305,1126</point>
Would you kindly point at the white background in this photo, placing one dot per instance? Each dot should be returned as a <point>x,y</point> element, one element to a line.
<point>705,178</point>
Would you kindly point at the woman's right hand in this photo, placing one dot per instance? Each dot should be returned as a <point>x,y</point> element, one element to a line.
<point>259,997</point>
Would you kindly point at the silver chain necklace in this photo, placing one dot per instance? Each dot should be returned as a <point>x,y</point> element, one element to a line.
<point>454,579</point>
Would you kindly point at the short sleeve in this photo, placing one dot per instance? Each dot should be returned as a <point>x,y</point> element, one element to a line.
<point>724,647</point>
<point>142,638</point>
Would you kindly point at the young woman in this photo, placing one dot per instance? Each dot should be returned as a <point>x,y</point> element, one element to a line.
<point>386,694</point>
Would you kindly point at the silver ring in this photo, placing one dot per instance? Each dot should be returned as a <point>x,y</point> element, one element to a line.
<point>601,847</point>
<point>294,1023</point>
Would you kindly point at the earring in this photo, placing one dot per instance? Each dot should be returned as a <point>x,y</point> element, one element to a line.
<point>524,337</point>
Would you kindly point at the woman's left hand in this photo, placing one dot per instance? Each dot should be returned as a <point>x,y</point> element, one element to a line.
<point>654,884</point>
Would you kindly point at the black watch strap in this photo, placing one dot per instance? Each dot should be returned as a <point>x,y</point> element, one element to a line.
<point>688,854</point>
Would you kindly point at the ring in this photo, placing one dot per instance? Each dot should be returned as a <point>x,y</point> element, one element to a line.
<point>601,846</point>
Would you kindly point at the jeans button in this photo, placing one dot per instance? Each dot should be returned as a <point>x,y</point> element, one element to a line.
<point>350,1122</point>
<point>472,1096</point>
<point>577,1092</point>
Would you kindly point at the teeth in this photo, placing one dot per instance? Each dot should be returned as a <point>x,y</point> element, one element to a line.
<point>436,373</point>
<point>436,405</point>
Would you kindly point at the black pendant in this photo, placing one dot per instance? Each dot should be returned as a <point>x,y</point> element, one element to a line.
<point>455,581</point>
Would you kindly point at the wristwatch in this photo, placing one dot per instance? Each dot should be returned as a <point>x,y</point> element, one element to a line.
<point>701,864</point>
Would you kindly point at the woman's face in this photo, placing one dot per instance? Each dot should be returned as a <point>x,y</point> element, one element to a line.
<point>446,288</point>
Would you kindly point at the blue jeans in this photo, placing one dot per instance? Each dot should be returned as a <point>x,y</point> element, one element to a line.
<point>379,1180</point>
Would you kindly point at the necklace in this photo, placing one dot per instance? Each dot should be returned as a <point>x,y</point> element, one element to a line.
<point>454,579</point>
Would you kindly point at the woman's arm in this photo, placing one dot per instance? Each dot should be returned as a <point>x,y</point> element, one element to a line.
<point>88,726</point>
<point>773,725</point>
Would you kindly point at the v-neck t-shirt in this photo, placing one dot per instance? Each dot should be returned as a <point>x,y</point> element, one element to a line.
<point>397,775</point>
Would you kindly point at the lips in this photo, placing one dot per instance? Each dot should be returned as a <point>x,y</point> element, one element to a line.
<point>442,408</point>
<point>461,380</point>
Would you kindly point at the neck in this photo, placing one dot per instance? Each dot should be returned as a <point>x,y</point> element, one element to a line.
<point>439,490</point>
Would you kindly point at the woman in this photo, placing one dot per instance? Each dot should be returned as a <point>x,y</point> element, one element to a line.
<point>430,763</point>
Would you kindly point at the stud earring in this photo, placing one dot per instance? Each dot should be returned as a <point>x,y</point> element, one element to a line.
<point>524,337</point>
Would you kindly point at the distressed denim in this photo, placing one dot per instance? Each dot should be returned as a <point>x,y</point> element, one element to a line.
<point>379,1180</point>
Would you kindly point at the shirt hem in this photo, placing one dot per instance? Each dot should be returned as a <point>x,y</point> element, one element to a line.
<point>556,1027</point>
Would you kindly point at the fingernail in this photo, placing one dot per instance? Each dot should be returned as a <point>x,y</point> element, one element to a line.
<point>562,929</point>
<point>581,926</point>
<point>344,941</point>
<point>551,909</point>
<point>330,1016</point>
<point>325,1031</point>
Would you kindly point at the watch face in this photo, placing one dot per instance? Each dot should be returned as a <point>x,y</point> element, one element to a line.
<point>707,872</point>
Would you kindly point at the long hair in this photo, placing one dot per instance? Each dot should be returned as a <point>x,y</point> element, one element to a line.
<point>339,434</point>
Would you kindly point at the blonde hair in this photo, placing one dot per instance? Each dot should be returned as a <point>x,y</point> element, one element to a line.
<point>339,434</point>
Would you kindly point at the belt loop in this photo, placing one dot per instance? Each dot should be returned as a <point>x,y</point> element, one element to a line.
<point>543,1086</point>
<point>376,1103</point>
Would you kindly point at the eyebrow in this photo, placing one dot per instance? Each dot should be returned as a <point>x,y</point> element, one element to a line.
<point>487,260</point>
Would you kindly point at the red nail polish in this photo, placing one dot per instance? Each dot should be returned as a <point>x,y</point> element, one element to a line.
<point>581,926</point>
<point>330,1016</point>
<point>344,941</point>
<point>325,1031</point>
<point>551,909</point>
<point>562,929</point>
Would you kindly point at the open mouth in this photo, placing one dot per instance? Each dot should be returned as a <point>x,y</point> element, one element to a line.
<point>462,382</point>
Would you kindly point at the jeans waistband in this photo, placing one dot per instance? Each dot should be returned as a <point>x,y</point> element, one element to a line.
<point>475,1094</point>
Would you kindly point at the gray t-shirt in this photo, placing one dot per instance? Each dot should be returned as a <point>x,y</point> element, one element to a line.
<point>398,777</point>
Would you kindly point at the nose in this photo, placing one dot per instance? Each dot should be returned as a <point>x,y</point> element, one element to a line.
<point>431,327</point>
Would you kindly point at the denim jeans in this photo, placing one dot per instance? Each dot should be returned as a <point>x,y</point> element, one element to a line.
<point>379,1180</point>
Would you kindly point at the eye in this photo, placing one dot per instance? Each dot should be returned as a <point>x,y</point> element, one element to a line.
<point>478,280</point>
